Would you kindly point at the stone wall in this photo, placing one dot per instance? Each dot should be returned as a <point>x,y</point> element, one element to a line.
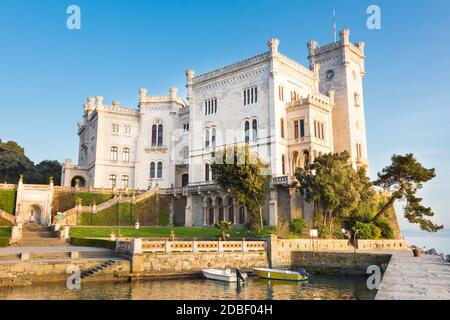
<point>339,263</point>
<point>166,264</point>
<point>35,272</point>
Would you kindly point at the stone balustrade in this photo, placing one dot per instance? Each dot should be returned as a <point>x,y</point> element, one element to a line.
<point>147,246</point>
<point>396,245</point>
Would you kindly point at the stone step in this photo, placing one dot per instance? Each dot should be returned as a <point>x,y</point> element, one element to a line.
<point>28,235</point>
<point>41,242</point>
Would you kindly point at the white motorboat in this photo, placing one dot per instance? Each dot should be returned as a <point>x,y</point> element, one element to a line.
<point>225,275</point>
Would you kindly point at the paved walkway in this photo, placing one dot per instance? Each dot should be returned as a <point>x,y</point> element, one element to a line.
<point>409,278</point>
<point>17,250</point>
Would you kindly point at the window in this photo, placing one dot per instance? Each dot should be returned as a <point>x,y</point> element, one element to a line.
<point>186,127</point>
<point>184,180</point>
<point>319,131</point>
<point>159,172</point>
<point>207,172</point>
<point>126,154</point>
<point>152,170</point>
<point>299,128</point>
<point>115,128</point>
<point>247,132</point>
<point>250,95</point>
<point>294,96</point>
<point>231,210</point>
<point>154,130</point>
<point>114,153</point>
<point>160,135</point>
<point>254,130</point>
<point>358,150</point>
<point>125,181</point>
<point>282,127</point>
<point>213,137</point>
<point>127,129</point>
<point>357,99</point>
<point>281,93</point>
<point>112,181</point>
<point>283,165</point>
<point>207,141</point>
<point>210,106</point>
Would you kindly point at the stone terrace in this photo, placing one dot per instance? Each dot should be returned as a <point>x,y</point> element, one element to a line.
<point>409,278</point>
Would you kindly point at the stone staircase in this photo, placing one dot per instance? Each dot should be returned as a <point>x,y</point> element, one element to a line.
<point>98,269</point>
<point>34,235</point>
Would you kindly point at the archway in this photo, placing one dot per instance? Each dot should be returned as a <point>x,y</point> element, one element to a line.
<point>35,214</point>
<point>210,212</point>
<point>78,180</point>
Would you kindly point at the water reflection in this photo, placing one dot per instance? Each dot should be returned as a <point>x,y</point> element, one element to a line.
<point>199,289</point>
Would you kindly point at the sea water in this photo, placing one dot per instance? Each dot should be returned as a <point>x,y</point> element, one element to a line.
<point>438,240</point>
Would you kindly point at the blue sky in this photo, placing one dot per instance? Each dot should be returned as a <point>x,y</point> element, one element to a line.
<point>47,71</point>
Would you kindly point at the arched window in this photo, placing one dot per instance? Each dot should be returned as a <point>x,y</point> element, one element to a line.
<point>160,135</point>
<point>254,130</point>
<point>211,211</point>
<point>112,181</point>
<point>283,165</point>
<point>114,153</point>
<point>126,154</point>
<point>241,214</point>
<point>152,170</point>
<point>247,131</point>
<point>221,212</point>
<point>154,132</point>
<point>282,127</point>
<point>231,210</point>
<point>294,161</point>
<point>305,158</point>
<point>207,142</point>
<point>159,172</point>
<point>125,182</point>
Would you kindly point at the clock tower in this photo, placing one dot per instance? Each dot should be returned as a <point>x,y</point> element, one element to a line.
<point>342,69</point>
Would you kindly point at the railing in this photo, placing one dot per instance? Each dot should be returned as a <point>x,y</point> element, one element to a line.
<point>281,180</point>
<point>42,187</point>
<point>382,245</point>
<point>6,186</point>
<point>202,246</point>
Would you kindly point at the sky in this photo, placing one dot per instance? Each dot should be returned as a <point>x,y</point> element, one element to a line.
<point>47,70</point>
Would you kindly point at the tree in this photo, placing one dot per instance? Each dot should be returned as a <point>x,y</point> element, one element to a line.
<point>331,183</point>
<point>236,170</point>
<point>44,171</point>
<point>403,178</point>
<point>13,164</point>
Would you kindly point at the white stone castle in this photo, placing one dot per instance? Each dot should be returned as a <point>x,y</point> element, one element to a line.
<point>287,113</point>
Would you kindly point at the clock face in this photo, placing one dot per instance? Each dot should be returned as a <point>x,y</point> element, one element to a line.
<point>329,75</point>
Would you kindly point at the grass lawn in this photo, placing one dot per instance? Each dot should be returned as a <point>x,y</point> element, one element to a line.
<point>5,232</point>
<point>162,232</point>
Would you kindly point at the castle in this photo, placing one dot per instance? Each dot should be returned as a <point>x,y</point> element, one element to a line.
<point>287,113</point>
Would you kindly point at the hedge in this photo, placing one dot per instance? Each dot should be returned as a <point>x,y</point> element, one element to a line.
<point>63,201</point>
<point>96,243</point>
<point>4,242</point>
<point>8,200</point>
<point>151,212</point>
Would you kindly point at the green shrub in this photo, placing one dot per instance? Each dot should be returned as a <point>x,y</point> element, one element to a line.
<point>366,230</point>
<point>386,231</point>
<point>8,200</point>
<point>323,230</point>
<point>4,242</point>
<point>96,243</point>
<point>297,226</point>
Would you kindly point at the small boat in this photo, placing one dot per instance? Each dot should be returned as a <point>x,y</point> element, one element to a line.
<point>280,274</point>
<point>225,275</point>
